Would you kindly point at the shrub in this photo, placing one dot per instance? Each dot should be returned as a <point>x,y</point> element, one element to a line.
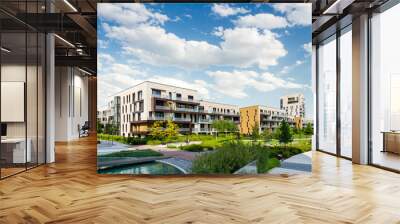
<point>136,141</point>
<point>226,159</point>
<point>192,148</point>
<point>172,146</point>
<point>264,163</point>
<point>233,155</point>
<point>154,142</point>
<point>284,151</point>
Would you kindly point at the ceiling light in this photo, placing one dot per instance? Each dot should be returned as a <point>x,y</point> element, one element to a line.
<point>64,40</point>
<point>5,50</point>
<point>70,5</point>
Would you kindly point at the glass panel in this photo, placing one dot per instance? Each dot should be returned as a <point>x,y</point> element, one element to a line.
<point>31,98</point>
<point>385,84</point>
<point>13,87</point>
<point>346,93</point>
<point>41,99</point>
<point>327,95</point>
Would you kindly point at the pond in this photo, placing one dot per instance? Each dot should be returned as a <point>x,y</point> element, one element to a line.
<point>154,168</point>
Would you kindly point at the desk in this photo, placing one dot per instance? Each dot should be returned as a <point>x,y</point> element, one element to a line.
<point>391,141</point>
<point>16,148</point>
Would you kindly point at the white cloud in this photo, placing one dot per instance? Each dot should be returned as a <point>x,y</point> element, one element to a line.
<point>129,14</point>
<point>286,69</point>
<point>199,85</point>
<point>235,83</point>
<point>114,77</point>
<point>307,47</point>
<point>296,13</point>
<point>225,10</point>
<point>262,21</point>
<point>240,47</point>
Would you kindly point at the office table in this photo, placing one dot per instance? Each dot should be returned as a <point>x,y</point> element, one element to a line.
<point>16,148</point>
<point>391,141</point>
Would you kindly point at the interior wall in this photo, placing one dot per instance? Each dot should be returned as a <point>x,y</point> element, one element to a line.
<point>71,102</point>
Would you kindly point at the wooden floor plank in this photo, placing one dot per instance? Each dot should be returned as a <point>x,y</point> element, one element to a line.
<point>70,191</point>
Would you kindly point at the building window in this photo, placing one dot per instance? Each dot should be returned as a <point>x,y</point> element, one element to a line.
<point>190,98</point>
<point>156,92</point>
<point>140,95</point>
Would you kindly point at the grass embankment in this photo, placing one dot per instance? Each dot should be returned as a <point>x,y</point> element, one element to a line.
<point>233,155</point>
<point>133,153</point>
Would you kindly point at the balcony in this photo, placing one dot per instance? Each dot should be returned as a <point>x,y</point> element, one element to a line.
<point>181,119</point>
<point>187,109</point>
<point>156,118</point>
<point>202,130</point>
<point>157,107</point>
<point>184,129</point>
<point>174,98</point>
<point>204,120</point>
<point>224,114</point>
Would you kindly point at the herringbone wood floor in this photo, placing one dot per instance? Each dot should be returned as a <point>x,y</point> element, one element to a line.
<point>70,191</point>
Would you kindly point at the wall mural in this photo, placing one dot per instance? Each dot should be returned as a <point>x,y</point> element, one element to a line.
<point>204,88</point>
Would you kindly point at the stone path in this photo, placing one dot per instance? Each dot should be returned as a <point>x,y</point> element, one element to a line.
<point>182,164</point>
<point>180,154</point>
<point>300,163</point>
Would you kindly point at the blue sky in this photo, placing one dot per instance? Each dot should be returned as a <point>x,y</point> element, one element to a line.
<point>242,54</point>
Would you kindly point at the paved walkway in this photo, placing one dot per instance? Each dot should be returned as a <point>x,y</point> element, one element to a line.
<point>182,164</point>
<point>180,154</point>
<point>300,163</point>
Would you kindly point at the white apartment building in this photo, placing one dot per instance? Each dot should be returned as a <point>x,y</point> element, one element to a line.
<point>147,102</point>
<point>210,111</point>
<point>294,105</point>
<point>104,116</point>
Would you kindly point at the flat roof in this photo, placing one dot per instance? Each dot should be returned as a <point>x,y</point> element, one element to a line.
<point>219,103</point>
<point>148,81</point>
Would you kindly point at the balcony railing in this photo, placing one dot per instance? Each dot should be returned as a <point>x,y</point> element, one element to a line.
<point>181,119</point>
<point>205,120</point>
<point>226,113</point>
<point>162,96</point>
<point>162,107</point>
<point>157,118</point>
<point>187,109</point>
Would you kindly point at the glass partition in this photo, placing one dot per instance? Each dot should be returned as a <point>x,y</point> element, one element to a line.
<point>327,95</point>
<point>22,101</point>
<point>13,113</point>
<point>385,89</point>
<point>346,92</point>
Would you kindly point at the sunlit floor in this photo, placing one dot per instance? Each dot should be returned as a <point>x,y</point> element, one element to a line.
<point>386,159</point>
<point>70,191</point>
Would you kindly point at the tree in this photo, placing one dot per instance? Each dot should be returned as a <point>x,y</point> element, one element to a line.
<point>308,130</point>
<point>172,129</point>
<point>156,130</point>
<point>255,132</point>
<point>99,127</point>
<point>296,130</point>
<point>224,126</point>
<point>110,128</point>
<point>285,134</point>
<point>267,135</point>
